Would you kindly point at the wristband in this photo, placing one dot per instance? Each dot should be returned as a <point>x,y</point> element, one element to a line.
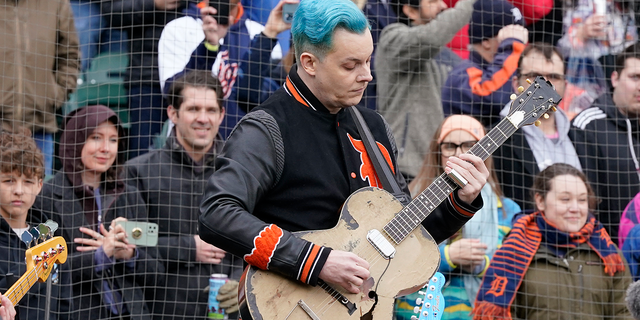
<point>448,258</point>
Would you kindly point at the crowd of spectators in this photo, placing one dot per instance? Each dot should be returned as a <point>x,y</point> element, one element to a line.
<point>443,75</point>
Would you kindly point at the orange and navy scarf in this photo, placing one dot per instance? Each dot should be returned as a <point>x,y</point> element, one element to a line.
<point>510,263</point>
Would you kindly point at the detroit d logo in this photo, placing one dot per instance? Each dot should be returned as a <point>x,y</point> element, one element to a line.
<point>497,286</point>
<point>517,15</point>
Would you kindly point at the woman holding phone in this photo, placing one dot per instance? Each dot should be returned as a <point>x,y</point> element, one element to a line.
<point>87,199</point>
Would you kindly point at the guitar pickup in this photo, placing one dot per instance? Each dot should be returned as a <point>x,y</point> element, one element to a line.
<point>378,241</point>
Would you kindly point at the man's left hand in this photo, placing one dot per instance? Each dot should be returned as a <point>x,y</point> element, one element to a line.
<point>474,170</point>
<point>228,296</point>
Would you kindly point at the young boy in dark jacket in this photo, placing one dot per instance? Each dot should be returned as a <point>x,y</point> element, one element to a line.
<point>21,174</point>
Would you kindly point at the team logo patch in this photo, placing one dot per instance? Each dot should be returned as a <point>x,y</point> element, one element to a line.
<point>367,171</point>
<point>263,247</point>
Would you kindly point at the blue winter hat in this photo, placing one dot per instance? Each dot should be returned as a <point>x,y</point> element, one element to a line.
<point>489,16</point>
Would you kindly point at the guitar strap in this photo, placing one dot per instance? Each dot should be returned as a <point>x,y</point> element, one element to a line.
<point>381,166</point>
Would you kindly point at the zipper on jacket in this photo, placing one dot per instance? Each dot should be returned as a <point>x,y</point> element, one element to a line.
<point>633,152</point>
<point>581,286</point>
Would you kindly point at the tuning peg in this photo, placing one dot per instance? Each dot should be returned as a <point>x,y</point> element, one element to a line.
<point>513,96</point>
<point>35,233</point>
<point>553,108</point>
<point>520,89</point>
<point>537,123</point>
<point>529,81</point>
<point>52,225</point>
<point>44,231</point>
<point>546,116</point>
<point>27,238</point>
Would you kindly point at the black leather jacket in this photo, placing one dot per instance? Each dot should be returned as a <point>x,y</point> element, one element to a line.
<point>287,167</point>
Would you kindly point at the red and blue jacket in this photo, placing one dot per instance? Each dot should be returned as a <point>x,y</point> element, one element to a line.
<point>479,88</point>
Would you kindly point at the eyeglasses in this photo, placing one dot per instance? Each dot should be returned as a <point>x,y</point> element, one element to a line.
<point>448,149</point>
<point>550,76</point>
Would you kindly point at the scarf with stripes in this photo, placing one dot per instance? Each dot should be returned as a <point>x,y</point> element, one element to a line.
<point>510,263</point>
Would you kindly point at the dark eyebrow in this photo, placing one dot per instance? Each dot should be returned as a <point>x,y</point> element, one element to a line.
<point>353,59</point>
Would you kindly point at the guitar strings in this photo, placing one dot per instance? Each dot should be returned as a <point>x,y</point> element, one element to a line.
<point>27,282</point>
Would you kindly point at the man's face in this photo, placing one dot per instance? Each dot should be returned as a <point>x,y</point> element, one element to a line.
<point>339,80</point>
<point>198,119</point>
<point>17,194</point>
<point>535,64</point>
<point>626,92</point>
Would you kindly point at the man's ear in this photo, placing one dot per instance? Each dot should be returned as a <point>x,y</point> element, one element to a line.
<point>308,62</point>
<point>172,113</point>
<point>412,13</point>
<point>615,78</point>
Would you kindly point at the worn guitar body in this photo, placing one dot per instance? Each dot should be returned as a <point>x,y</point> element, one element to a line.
<point>271,296</point>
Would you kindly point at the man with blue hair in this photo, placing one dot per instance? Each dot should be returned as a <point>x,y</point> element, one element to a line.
<point>291,163</point>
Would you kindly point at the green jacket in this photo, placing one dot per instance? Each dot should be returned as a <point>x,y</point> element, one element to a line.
<point>573,288</point>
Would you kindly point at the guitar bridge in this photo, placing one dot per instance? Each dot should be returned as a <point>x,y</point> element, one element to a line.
<point>378,241</point>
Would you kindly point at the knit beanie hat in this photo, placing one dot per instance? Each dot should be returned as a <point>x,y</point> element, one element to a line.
<point>489,16</point>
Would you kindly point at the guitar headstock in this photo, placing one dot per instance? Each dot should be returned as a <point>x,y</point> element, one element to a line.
<point>431,305</point>
<point>42,257</point>
<point>534,102</point>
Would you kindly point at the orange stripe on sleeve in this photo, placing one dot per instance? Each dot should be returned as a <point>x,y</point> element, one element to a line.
<point>499,78</point>
<point>294,92</point>
<point>309,263</point>
<point>459,208</point>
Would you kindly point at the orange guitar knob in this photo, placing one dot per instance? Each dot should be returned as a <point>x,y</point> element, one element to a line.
<point>537,123</point>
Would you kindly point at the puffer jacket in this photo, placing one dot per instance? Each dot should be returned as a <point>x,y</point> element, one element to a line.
<point>575,287</point>
<point>39,59</point>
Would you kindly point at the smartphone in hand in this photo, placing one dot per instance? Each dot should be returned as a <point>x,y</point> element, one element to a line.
<point>288,9</point>
<point>144,234</point>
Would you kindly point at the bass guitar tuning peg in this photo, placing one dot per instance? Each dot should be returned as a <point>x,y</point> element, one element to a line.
<point>52,225</point>
<point>27,238</point>
<point>45,231</point>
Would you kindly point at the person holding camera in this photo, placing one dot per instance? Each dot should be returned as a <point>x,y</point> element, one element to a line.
<point>243,61</point>
<point>87,199</point>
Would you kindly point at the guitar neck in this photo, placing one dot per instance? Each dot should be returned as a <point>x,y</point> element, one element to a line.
<point>21,287</point>
<point>417,210</point>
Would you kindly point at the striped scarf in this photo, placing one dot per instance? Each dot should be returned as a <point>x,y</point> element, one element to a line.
<point>510,263</point>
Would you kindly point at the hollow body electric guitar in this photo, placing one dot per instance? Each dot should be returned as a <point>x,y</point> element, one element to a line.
<point>40,260</point>
<point>374,225</point>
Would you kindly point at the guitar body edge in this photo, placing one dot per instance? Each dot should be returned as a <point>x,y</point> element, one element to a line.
<point>268,295</point>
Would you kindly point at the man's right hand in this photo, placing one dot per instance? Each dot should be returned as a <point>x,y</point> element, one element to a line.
<point>207,253</point>
<point>513,31</point>
<point>345,269</point>
<point>7,310</point>
<point>166,4</point>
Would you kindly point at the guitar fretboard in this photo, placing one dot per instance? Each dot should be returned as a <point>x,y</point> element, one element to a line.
<point>22,286</point>
<point>417,210</point>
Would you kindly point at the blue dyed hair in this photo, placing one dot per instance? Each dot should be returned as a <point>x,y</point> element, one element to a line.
<point>315,22</point>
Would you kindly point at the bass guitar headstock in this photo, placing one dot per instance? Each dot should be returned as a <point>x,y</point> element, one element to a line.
<point>42,257</point>
<point>430,306</point>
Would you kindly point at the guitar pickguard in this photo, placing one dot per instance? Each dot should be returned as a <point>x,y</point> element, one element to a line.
<point>270,296</point>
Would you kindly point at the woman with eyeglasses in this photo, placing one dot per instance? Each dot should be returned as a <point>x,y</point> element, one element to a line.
<point>466,255</point>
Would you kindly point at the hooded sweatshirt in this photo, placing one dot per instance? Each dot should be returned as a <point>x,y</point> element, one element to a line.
<point>102,286</point>
<point>80,125</point>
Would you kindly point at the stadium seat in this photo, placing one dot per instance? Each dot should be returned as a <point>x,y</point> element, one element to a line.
<point>103,83</point>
